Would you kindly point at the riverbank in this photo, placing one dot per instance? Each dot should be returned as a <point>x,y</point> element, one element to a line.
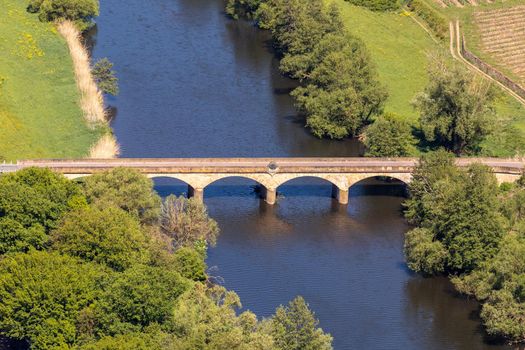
<point>40,112</point>
<point>399,48</point>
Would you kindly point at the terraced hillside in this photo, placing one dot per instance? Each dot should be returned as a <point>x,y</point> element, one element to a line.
<point>502,34</point>
<point>462,3</point>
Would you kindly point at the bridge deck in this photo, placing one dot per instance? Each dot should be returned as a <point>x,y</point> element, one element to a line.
<point>258,165</point>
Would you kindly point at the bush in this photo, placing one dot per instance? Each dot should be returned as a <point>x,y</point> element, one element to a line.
<point>105,76</point>
<point>109,236</point>
<point>377,5</point>
<point>437,22</point>
<point>42,295</point>
<point>81,12</point>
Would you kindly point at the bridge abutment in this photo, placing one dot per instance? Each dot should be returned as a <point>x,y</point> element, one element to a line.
<point>340,194</point>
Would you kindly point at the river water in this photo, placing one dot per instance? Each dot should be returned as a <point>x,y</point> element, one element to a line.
<point>196,84</point>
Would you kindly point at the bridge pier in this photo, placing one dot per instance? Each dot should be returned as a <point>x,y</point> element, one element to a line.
<point>197,193</point>
<point>269,195</point>
<point>340,194</point>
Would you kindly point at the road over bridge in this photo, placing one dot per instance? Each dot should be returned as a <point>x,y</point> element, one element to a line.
<point>270,173</point>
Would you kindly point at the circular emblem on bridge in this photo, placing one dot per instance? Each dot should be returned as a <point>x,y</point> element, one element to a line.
<point>272,168</point>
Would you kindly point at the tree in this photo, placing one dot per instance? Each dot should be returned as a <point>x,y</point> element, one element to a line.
<point>433,173</point>
<point>138,297</point>
<point>187,222</point>
<point>205,318</point>
<point>43,294</point>
<point>388,136</point>
<point>127,189</point>
<point>190,264</point>
<point>500,284</point>
<point>343,92</point>
<point>455,108</point>
<point>423,253</point>
<point>457,208</point>
<point>81,12</point>
<point>35,196</point>
<point>236,8</point>
<point>14,237</point>
<point>108,236</point>
<point>295,327</point>
<point>105,76</point>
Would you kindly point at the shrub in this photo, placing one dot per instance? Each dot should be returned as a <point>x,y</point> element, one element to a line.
<point>105,76</point>
<point>437,22</point>
<point>377,5</point>
<point>81,12</point>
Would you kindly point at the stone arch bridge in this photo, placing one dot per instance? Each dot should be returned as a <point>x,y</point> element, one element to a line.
<point>270,173</point>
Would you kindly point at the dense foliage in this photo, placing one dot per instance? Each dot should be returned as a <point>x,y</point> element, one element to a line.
<point>98,265</point>
<point>456,107</point>
<point>105,76</point>
<point>475,231</point>
<point>340,91</point>
<point>126,189</point>
<point>81,12</point>
<point>388,136</point>
<point>377,5</point>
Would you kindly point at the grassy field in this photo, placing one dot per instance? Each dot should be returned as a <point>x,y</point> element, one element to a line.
<point>39,112</point>
<point>399,48</point>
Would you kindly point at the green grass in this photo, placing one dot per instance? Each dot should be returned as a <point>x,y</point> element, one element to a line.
<point>39,112</point>
<point>399,47</point>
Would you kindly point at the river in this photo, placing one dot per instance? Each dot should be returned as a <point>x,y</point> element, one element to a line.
<point>195,84</point>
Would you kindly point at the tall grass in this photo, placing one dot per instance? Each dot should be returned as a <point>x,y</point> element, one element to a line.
<point>107,147</point>
<point>91,100</point>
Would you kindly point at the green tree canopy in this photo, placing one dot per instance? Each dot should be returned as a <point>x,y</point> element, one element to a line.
<point>42,296</point>
<point>14,237</point>
<point>388,136</point>
<point>457,208</point>
<point>82,12</point>
<point>36,196</point>
<point>109,236</point>
<point>294,327</point>
<point>138,297</point>
<point>124,188</point>
<point>105,76</point>
<point>456,107</point>
<point>205,318</point>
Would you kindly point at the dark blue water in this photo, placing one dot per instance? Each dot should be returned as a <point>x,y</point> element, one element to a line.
<point>196,84</point>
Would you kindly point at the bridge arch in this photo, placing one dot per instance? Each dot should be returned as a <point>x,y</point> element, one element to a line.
<point>354,179</point>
